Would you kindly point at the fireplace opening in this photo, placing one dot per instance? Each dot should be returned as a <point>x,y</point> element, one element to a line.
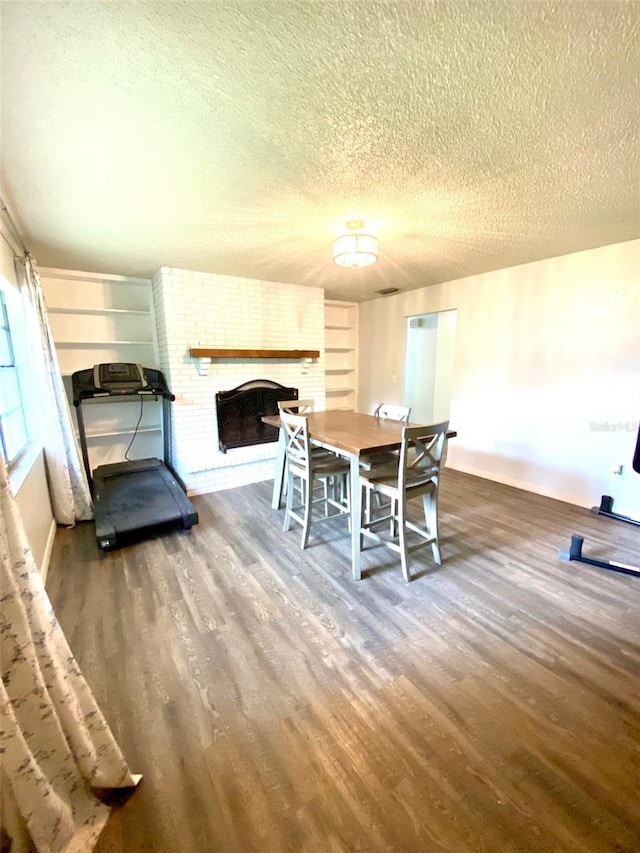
<point>240,412</point>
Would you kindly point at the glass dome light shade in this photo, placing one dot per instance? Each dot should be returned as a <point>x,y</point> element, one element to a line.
<point>355,250</point>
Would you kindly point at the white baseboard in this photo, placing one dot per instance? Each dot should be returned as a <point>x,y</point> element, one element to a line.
<point>519,484</point>
<point>44,568</point>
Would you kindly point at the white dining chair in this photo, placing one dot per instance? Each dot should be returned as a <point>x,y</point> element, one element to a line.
<point>415,474</point>
<point>296,407</point>
<point>303,407</point>
<point>392,411</point>
<point>304,466</point>
<point>370,461</point>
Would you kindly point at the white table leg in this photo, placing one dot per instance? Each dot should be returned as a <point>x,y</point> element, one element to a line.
<point>278,477</point>
<point>355,499</point>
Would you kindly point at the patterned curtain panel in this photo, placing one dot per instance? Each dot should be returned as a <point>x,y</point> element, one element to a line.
<point>68,487</point>
<point>56,745</point>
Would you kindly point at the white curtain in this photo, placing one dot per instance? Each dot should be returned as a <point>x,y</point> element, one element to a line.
<point>68,487</point>
<point>56,745</point>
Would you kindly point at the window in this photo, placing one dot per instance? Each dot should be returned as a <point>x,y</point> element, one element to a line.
<point>13,428</point>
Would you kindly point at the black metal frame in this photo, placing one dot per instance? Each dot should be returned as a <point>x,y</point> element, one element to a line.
<point>606,509</point>
<point>575,553</point>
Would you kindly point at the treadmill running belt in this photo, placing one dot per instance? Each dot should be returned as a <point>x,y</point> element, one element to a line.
<point>135,498</point>
<point>130,499</point>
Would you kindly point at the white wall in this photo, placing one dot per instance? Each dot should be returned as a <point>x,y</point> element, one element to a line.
<point>28,479</point>
<point>546,381</point>
<point>35,510</point>
<point>198,309</point>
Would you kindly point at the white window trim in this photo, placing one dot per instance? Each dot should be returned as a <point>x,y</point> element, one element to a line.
<point>25,364</point>
<point>21,467</point>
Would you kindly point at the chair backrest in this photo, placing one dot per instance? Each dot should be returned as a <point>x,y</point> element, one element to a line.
<point>420,454</point>
<point>295,407</point>
<point>392,412</point>
<point>298,446</point>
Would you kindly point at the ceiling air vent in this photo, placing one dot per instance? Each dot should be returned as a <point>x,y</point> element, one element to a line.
<point>387,291</point>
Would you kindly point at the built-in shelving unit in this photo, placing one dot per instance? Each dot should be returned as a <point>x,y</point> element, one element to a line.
<point>341,340</point>
<point>105,318</point>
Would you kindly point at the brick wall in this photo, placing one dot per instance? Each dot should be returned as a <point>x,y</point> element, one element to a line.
<point>199,309</point>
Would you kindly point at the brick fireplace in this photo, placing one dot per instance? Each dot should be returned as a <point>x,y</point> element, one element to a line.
<point>203,310</point>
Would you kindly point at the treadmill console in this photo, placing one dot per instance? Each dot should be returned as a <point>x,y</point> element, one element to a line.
<point>118,379</point>
<point>119,376</point>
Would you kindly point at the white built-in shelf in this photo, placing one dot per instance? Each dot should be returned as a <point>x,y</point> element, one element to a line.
<point>337,326</point>
<point>97,311</point>
<point>89,344</point>
<point>89,278</point>
<point>123,431</point>
<point>338,390</point>
<point>338,349</point>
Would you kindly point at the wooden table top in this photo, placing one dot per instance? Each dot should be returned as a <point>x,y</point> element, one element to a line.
<point>352,432</point>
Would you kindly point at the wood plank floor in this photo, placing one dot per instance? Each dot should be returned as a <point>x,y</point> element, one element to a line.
<point>274,704</point>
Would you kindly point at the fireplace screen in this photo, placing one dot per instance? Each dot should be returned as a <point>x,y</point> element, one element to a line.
<point>240,413</point>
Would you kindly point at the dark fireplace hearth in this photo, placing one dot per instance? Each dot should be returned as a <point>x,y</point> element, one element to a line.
<point>240,412</point>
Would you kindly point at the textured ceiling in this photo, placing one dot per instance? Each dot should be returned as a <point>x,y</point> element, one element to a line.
<point>234,137</point>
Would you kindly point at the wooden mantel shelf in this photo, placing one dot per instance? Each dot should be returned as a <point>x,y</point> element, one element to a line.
<point>206,352</point>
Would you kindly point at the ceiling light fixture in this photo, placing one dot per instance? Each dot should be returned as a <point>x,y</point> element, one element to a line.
<point>355,249</point>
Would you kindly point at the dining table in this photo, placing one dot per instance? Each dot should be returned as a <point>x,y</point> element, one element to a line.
<point>351,435</point>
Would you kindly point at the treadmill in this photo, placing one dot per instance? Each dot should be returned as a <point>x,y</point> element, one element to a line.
<point>138,498</point>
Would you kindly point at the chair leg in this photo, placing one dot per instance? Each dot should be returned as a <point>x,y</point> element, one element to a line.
<point>393,518</point>
<point>345,498</point>
<point>344,489</point>
<point>286,524</point>
<point>402,534</point>
<point>364,511</point>
<point>430,503</point>
<point>308,506</point>
<point>327,486</point>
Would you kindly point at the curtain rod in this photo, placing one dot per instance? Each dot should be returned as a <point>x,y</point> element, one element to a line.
<point>13,226</point>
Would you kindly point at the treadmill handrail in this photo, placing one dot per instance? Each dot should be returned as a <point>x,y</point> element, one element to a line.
<point>84,387</point>
<point>141,392</point>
